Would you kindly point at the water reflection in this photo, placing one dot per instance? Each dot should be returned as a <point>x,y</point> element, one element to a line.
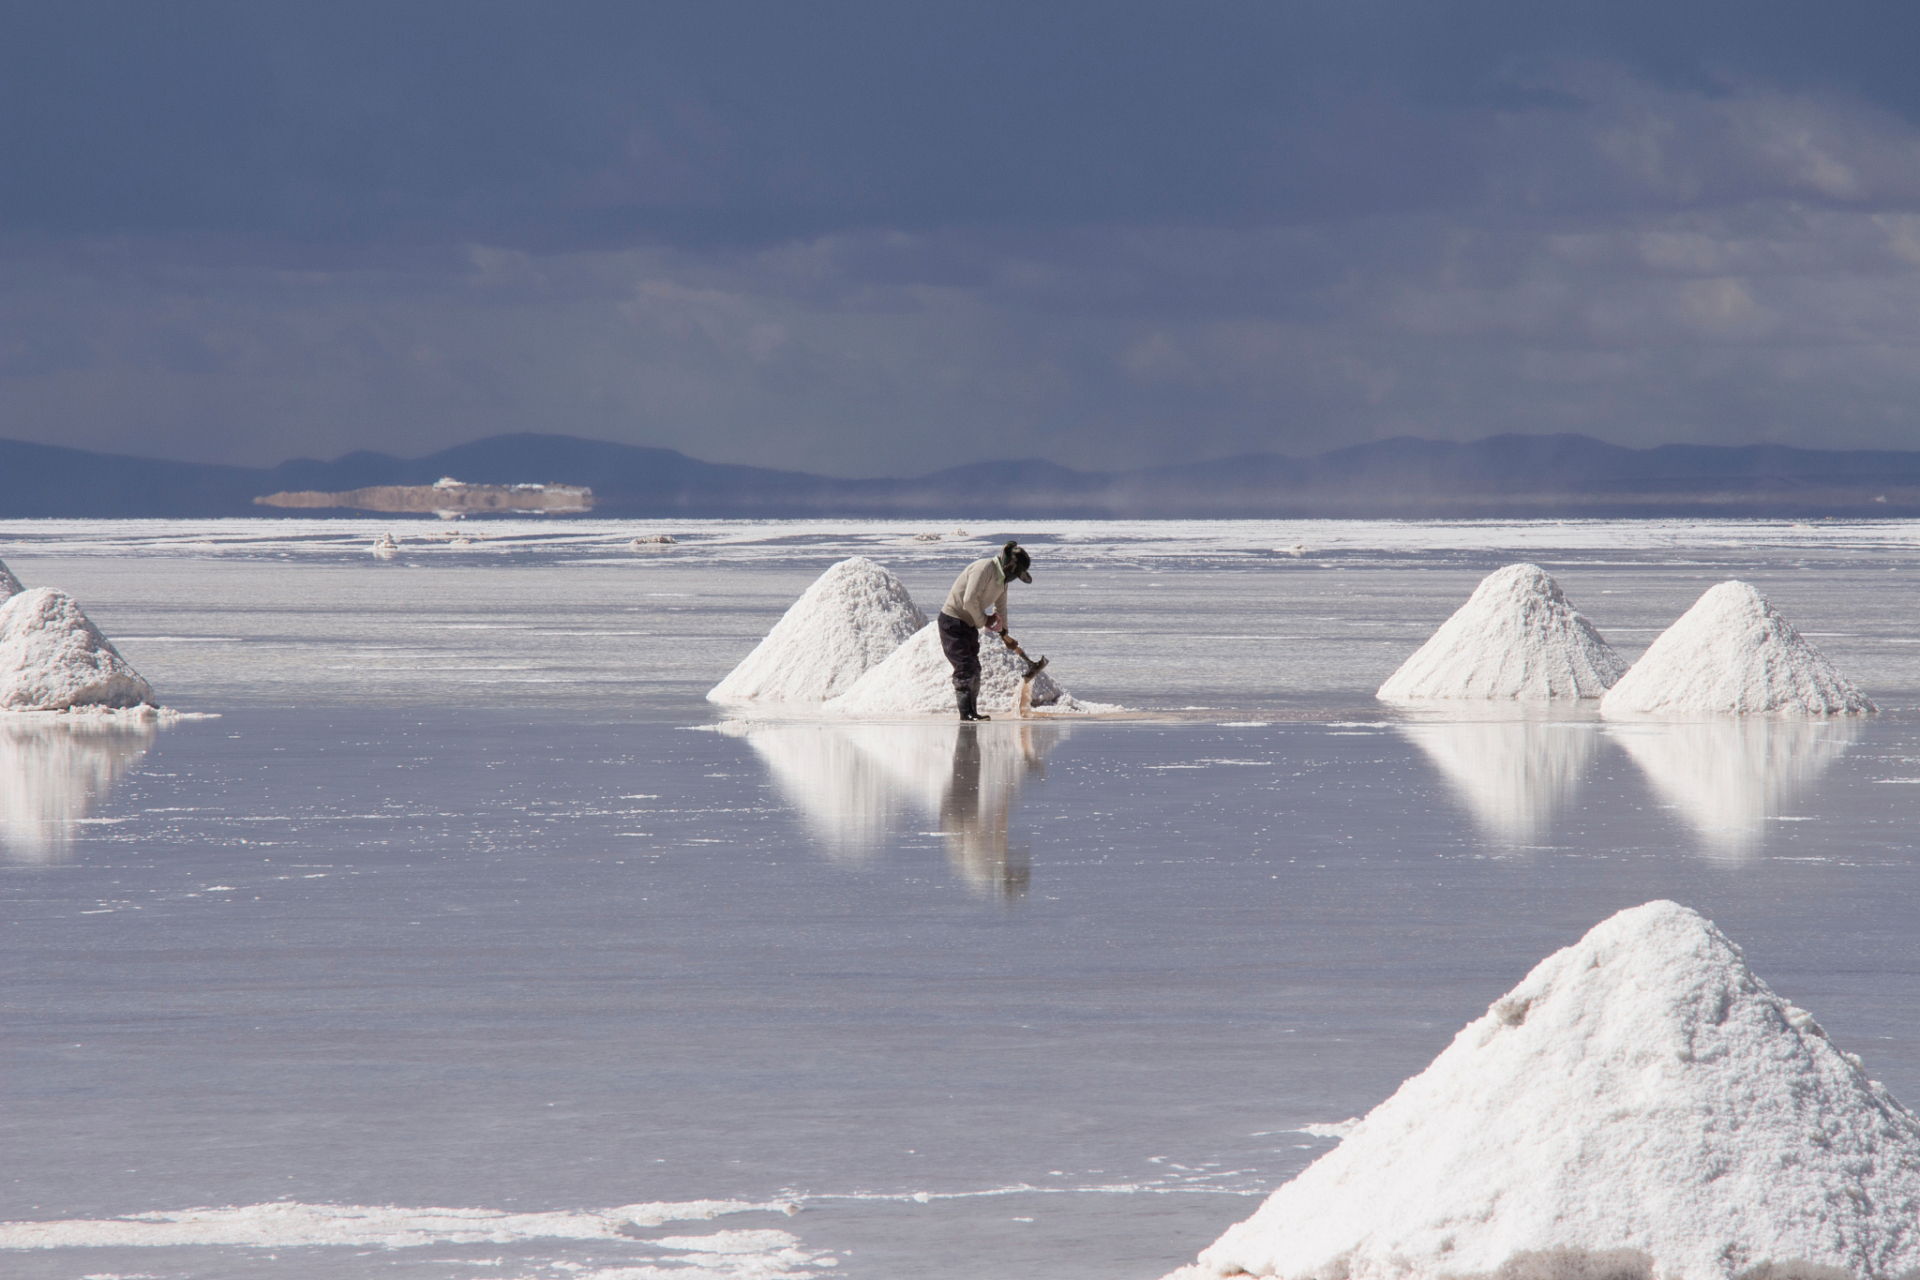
<point>1515,777</point>
<point>859,786</point>
<point>53,774</point>
<point>1730,777</point>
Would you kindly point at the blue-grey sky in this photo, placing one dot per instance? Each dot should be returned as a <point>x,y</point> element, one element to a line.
<point>881,238</point>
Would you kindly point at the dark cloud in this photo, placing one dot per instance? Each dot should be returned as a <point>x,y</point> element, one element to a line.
<point>883,238</point>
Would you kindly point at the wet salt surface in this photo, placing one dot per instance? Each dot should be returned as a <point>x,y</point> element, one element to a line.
<point>526,965</point>
<point>1040,1000</point>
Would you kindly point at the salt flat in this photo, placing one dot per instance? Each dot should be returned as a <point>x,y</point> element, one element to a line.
<point>463,936</point>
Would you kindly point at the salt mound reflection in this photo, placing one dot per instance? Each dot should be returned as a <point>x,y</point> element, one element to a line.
<point>1516,776</point>
<point>1731,776</point>
<point>53,774</point>
<point>859,786</point>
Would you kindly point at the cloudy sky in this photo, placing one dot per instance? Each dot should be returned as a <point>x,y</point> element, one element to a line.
<point>881,238</point>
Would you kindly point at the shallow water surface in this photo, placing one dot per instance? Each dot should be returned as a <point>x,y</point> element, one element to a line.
<point>451,984</point>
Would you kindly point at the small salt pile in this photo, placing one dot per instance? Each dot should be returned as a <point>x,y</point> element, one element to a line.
<point>53,659</point>
<point>1515,638</point>
<point>9,585</point>
<point>854,615</point>
<point>1640,1105</point>
<point>916,679</point>
<point>1732,653</point>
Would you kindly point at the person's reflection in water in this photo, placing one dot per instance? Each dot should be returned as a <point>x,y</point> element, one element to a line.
<point>857,788</point>
<point>977,811</point>
<point>53,774</point>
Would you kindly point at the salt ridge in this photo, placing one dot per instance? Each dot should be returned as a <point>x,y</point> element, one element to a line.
<point>1515,638</point>
<point>1640,1102</point>
<point>288,1224</point>
<point>53,659</point>
<point>852,617</point>
<point>1732,652</point>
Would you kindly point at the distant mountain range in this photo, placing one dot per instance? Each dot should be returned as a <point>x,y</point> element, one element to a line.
<point>1511,475</point>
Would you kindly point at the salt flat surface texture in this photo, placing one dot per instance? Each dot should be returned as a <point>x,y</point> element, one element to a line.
<point>1515,638</point>
<point>854,615</point>
<point>1640,1090</point>
<point>1732,652</point>
<point>9,585</point>
<point>916,679</point>
<point>53,659</point>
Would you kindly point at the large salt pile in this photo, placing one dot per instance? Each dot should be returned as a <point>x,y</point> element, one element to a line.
<point>53,659</point>
<point>1732,653</point>
<point>916,679</point>
<point>9,585</point>
<point>1516,637</point>
<point>1640,1105</point>
<point>855,614</point>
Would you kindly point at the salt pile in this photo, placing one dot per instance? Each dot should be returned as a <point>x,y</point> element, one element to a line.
<point>53,659</point>
<point>1732,653</point>
<point>1516,637</point>
<point>854,615</point>
<point>9,585</point>
<point>916,679</point>
<point>1640,1105</point>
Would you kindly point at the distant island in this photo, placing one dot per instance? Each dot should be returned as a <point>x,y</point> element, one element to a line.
<point>444,497</point>
<point>1500,477</point>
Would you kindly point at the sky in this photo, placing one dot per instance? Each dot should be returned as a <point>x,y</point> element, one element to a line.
<point>884,238</point>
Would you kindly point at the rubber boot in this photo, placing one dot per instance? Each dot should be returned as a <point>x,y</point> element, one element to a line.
<point>967,697</point>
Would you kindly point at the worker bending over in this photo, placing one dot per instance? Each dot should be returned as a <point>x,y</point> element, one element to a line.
<point>978,599</point>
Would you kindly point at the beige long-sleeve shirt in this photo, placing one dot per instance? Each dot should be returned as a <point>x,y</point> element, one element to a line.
<point>979,585</point>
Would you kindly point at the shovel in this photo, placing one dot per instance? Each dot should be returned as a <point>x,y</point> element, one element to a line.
<point>1033,668</point>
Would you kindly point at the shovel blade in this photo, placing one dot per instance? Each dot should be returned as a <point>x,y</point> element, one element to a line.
<point>1033,668</point>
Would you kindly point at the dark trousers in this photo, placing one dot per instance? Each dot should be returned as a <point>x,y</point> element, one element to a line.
<point>960,640</point>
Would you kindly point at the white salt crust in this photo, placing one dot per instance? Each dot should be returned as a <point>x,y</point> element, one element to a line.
<point>53,659</point>
<point>1515,638</point>
<point>916,679</point>
<point>1641,1105</point>
<point>854,615</point>
<point>9,585</point>
<point>1732,652</point>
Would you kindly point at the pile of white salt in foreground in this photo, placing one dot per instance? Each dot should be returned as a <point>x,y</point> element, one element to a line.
<point>9,585</point>
<point>855,614</point>
<point>917,679</point>
<point>1641,1105</point>
<point>1732,653</point>
<point>1515,638</point>
<point>53,659</point>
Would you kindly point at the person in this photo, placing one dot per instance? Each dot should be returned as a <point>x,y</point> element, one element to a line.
<point>978,600</point>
